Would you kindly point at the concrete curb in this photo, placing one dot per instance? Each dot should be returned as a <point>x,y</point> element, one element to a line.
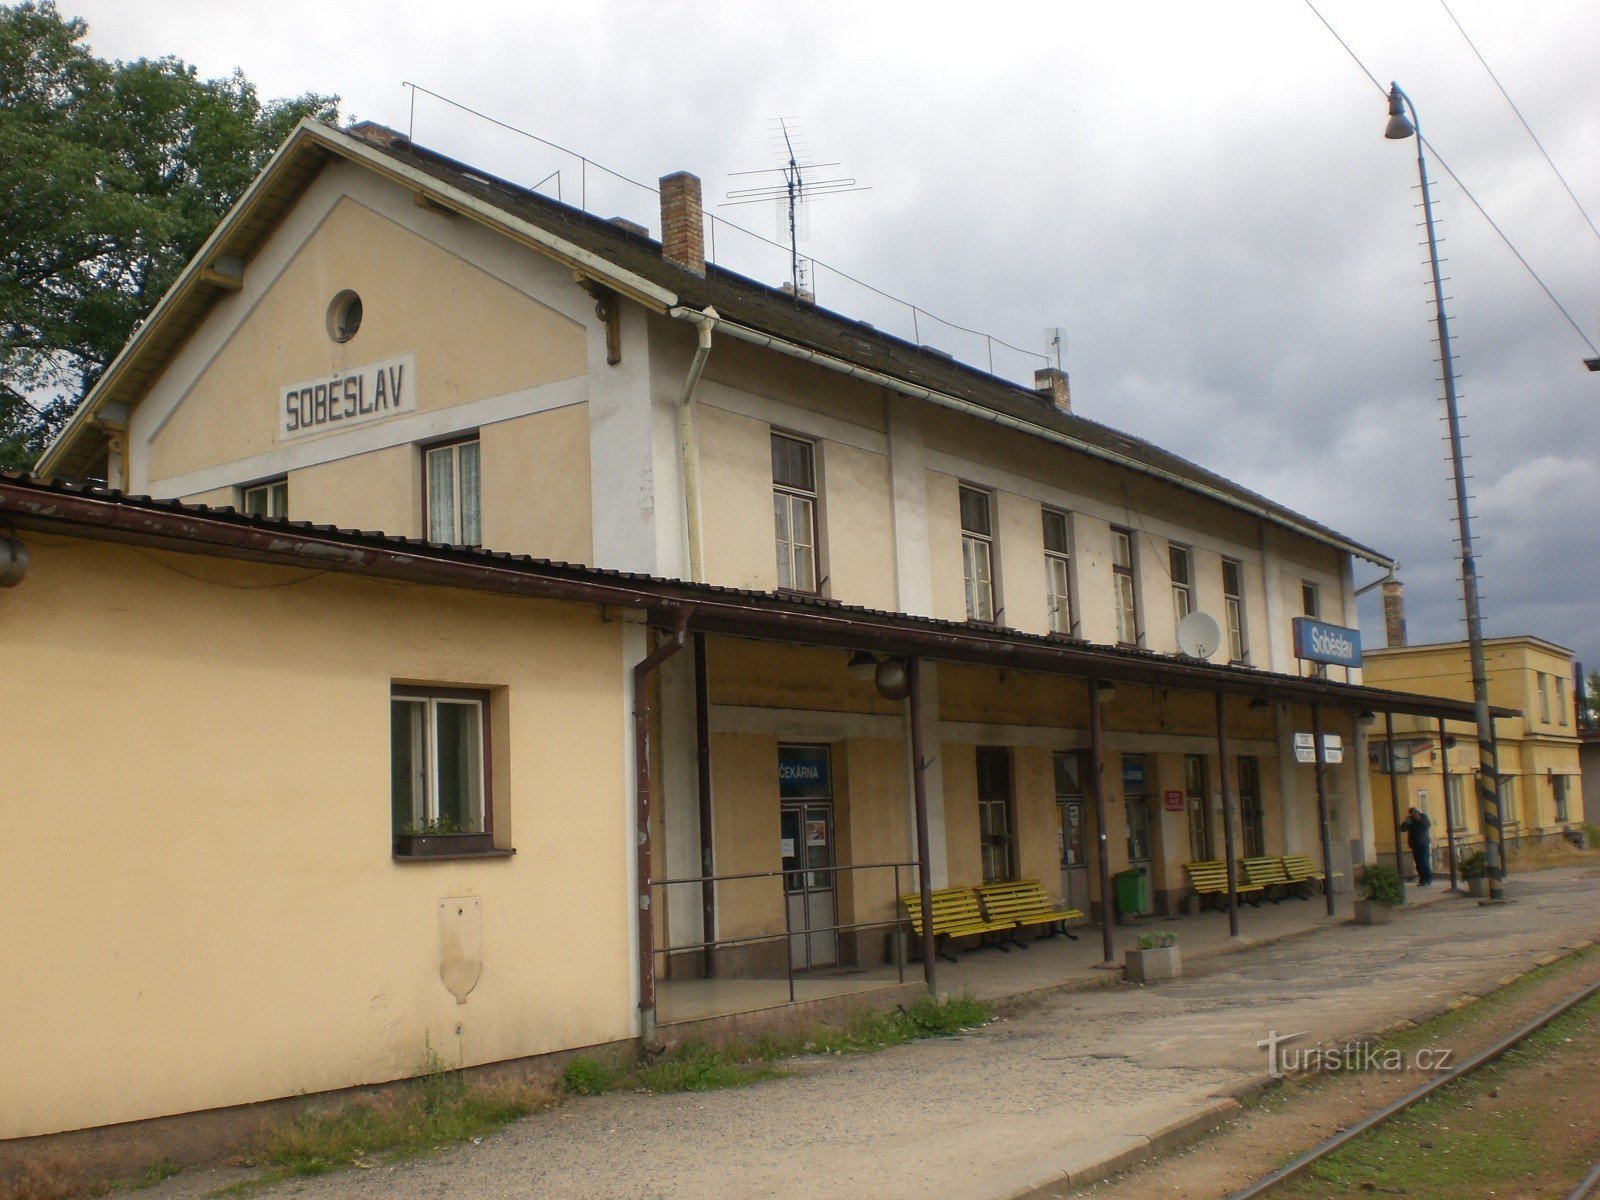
<point>1059,1174</point>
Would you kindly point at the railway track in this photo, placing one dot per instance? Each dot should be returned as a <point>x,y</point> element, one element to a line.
<point>1586,1190</point>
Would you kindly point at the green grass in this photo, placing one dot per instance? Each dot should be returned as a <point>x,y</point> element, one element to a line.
<point>162,1168</point>
<point>1441,1146</point>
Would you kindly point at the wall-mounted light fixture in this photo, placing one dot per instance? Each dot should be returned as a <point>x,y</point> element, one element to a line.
<point>863,665</point>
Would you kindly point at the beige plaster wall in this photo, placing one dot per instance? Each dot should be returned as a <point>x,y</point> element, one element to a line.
<point>746,829</point>
<point>735,456</point>
<point>473,337</point>
<point>380,490</point>
<point>535,481</point>
<point>204,910</point>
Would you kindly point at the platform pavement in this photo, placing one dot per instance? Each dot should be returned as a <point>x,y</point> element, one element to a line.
<point>1062,1090</point>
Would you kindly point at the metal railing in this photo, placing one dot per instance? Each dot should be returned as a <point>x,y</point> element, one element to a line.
<point>704,947</point>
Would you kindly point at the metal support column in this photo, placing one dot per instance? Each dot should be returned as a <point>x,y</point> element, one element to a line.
<point>1394,803</point>
<point>1229,855</point>
<point>1444,784</point>
<point>1322,806</point>
<point>1097,770</point>
<point>919,789</point>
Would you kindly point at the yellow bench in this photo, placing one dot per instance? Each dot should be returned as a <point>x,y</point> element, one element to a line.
<point>955,914</point>
<point>1301,872</point>
<point>1209,879</point>
<point>1268,873</point>
<point>1024,902</point>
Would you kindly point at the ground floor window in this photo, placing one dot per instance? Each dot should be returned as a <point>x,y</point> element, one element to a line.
<point>1136,803</point>
<point>1194,794</point>
<point>438,752</point>
<point>1251,816</point>
<point>994,813</point>
<point>1558,786</point>
<point>1508,800</point>
<point>1452,801</point>
<point>1069,801</point>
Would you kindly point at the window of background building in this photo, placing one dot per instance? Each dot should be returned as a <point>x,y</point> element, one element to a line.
<point>1452,800</point>
<point>994,814</point>
<point>1561,698</point>
<point>1252,816</point>
<point>1182,581</point>
<point>269,499</point>
<point>1125,581</point>
<point>1508,801</point>
<point>977,552</point>
<point>437,760</point>
<point>453,490</point>
<point>1057,572</point>
<point>1558,789</point>
<point>1544,697</point>
<point>1233,602</point>
<point>794,512</point>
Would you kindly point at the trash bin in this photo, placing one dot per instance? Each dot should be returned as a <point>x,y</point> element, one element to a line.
<point>1133,890</point>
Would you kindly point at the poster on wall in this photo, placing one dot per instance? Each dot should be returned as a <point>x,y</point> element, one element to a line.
<point>1173,801</point>
<point>816,833</point>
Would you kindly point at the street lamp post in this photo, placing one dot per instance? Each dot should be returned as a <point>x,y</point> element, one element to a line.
<point>1400,127</point>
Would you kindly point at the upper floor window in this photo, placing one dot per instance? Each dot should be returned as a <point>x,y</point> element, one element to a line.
<point>794,512</point>
<point>1057,572</point>
<point>977,552</point>
<point>1561,699</point>
<point>1310,603</point>
<point>1233,601</point>
<point>451,493</point>
<point>1544,698</point>
<point>1127,594</point>
<point>1182,581</point>
<point>269,499</point>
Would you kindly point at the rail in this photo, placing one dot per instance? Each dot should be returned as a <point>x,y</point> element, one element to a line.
<point>706,947</point>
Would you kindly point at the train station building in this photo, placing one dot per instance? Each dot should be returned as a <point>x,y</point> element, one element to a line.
<point>457,620</point>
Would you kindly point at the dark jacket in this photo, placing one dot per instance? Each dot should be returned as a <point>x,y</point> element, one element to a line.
<point>1417,830</point>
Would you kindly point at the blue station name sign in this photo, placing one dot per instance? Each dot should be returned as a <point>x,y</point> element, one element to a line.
<point>1327,643</point>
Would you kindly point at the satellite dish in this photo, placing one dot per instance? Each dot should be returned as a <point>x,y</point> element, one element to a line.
<point>1199,635</point>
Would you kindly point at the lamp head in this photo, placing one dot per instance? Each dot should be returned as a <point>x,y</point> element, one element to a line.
<point>863,665</point>
<point>1399,127</point>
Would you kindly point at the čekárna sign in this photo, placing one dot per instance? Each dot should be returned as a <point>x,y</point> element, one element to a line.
<point>351,397</point>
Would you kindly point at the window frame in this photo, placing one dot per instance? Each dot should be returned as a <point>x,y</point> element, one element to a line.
<point>1310,600</point>
<point>812,497</point>
<point>1058,562</point>
<point>1560,698</point>
<point>1126,607</point>
<point>990,844</point>
<point>466,843</point>
<point>453,445</point>
<point>1252,811</point>
<point>270,490</point>
<point>1233,607</point>
<point>972,542</point>
<point>1544,698</point>
<point>1561,796</point>
<point>1182,592</point>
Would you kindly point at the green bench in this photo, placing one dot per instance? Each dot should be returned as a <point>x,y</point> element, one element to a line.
<point>1024,902</point>
<point>1268,873</point>
<point>955,914</point>
<point>1302,874</point>
<point>1209,880</point>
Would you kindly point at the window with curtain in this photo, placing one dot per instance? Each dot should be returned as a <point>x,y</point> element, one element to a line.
<point>794,512</point>
<point>453,491</point>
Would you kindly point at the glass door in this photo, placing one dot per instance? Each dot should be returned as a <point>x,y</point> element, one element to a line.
<point>1194,791</point>
<point>805,786</point>
<point>1070,829</point>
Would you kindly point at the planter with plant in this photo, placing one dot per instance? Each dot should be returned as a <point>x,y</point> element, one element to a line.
<point>1157,958</point>
<point>1474,869</point>
<point>1379,887</point>
<point>440,838</point>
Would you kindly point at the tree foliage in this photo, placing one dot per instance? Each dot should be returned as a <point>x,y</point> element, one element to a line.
<point>112,174</point>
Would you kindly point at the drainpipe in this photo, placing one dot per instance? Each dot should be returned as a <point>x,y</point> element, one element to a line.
<point>641,792</point>
<point>704,322</point>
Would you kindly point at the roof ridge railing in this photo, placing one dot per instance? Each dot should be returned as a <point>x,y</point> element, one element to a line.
<point>918,317</point>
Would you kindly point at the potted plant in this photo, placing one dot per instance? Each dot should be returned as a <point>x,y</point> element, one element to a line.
<point>1157,958</point>
<point>1379,885</point>
<point>439,837</point>
<point>1475,870</point>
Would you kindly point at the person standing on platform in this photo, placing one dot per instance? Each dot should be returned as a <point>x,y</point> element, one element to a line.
<point>1419,836</point>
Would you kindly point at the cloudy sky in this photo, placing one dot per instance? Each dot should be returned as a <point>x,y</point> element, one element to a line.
<point>1200,195</point>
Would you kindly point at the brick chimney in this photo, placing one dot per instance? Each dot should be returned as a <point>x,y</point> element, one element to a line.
<point>683,237</point>
<point>1051,384</point>
<point>1394,612</point>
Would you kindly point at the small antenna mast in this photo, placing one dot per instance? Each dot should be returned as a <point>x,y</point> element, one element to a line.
<point>1056,340</point>
<point>795,190</point>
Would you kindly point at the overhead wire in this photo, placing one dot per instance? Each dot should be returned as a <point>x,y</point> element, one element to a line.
<point>1465,191</point>
<point>1474,48</point>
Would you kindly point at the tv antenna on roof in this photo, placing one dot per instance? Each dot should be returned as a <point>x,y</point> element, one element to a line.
<point>793,193</point>
<point>1056,341</point>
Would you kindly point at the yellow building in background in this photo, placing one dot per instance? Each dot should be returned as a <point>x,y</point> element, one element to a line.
<point>1538,750</point>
